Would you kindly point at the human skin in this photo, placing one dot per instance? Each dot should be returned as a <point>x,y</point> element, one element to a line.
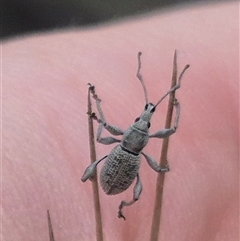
<point>45,134</point>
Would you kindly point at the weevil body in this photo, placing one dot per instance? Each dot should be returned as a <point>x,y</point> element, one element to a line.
<point>119,170</point>
<point>122,164</point>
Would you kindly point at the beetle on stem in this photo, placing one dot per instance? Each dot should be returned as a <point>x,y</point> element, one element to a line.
<point>122,164</point>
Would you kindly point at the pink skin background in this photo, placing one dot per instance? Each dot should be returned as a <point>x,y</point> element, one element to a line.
<point>45,135</point>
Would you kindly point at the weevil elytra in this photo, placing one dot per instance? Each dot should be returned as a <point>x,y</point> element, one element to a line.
<point>122,164</point>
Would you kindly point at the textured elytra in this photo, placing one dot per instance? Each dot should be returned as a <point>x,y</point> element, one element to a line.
<point>119,171</point>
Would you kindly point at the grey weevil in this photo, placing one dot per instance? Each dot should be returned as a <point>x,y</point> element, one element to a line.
<point>122,164</point>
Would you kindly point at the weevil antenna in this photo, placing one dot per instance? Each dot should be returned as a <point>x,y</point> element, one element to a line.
<point>175,87</point>
<point>139,76</point>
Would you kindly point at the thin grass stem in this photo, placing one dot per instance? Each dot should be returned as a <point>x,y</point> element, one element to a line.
<point>95,189</point>
<point>155,228</point>
<point>50,228</point>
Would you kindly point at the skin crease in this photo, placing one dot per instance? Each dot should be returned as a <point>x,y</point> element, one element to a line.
<point>45,136</point>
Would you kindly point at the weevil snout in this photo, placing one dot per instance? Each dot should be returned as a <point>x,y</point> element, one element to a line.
<point>150,107</point>
<point>148,112</point>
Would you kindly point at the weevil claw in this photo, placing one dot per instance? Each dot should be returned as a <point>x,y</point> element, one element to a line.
<point>120,207</point>
<point>91,87</point>
<point>175,102</point>
<point>120,215</point>
<point>166,168</point>
<point>93,115</point>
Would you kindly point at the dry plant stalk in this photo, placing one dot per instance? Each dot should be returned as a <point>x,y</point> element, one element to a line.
<point>155,228</point>
<point>51,234</point>
<point>95,189</point>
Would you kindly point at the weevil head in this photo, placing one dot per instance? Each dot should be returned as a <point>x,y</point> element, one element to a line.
<point>143,121</point>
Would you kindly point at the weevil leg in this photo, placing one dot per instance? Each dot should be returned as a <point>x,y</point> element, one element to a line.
<point>136,194</point>
<point>105,140</point>
<point>167,132</point>
<point>114,130</point>
<point>91,170</point>
<point>153,164</point>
